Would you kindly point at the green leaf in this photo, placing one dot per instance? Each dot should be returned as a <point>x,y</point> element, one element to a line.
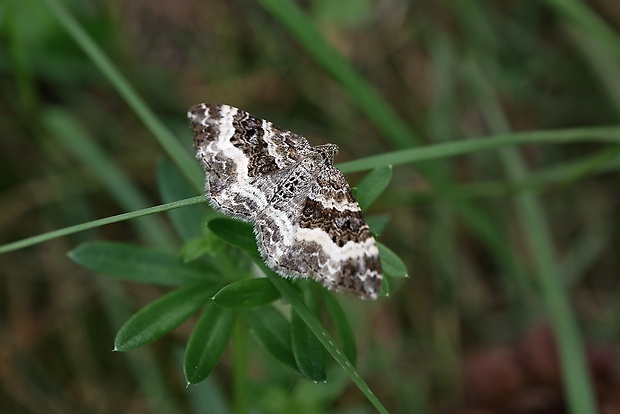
<point>378,223</point>
<point>209,244</point>
<point>207,342</point>
<point>373,185</point>
<point>138,264</point>
<point>195,248</point>
<point>392,265</point>
<point>300,308</point>
<point>247,293</point>
<point>188,221</point>
<point>307,349</point>
<point>273,332</point>
<point>385,287</point>
<point>236,233</point>
<point>342,326</point>
<point>160,317</point>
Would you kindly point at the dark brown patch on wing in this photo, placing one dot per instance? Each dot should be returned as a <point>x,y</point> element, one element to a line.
<point>203,134</point>
<point>333,185</point>
<point>248,137</point>
<point>361,276</point>
<point>288,144</point>
<point>342,226</point>
<point>221,173</point>
<point>348,279</point>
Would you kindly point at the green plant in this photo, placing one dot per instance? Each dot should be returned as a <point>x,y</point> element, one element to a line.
<point>512,218</point>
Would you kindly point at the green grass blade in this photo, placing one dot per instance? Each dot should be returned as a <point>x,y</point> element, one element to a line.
<point>173,186</point>
<point>470,145</point>
<point>166,139</point>
<point>604,134</point>
<point>362,93</point>
<point>98,223</point>
<point>560,175</point>
<point>585,17</point>
<point>576,379</point>
<point>70,134</point>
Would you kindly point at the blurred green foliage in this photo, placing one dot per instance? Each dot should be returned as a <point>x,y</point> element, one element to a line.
<point>507,249</point>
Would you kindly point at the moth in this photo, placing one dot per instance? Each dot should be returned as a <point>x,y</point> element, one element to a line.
<point>306,221</point>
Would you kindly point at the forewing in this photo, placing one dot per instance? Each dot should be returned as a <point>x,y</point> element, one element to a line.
<point>239,152</point>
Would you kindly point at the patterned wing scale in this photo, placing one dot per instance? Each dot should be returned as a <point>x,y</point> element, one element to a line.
<point>333,220</point>
<point>323,236</point>
<point>307,222</point>
<point>240,153</point>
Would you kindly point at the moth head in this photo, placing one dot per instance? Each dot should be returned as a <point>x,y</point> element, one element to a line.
<point>327,153</point>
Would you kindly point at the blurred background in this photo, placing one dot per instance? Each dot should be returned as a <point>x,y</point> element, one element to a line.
<point>471,331</point>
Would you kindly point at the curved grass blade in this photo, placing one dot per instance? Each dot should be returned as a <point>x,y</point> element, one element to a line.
<point>363,93</point>
<point>20,244</point>
<point>576,379</point>
<point>163,135</point>
<point>470,145</point>
<point>173,186</point>
<point>161,316</point>
<point>584,15</point>
<point>247,293</point>
<point>207,342</point>
<point>75,139</point>
<point>138,264</point>
<point>604,134</point>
